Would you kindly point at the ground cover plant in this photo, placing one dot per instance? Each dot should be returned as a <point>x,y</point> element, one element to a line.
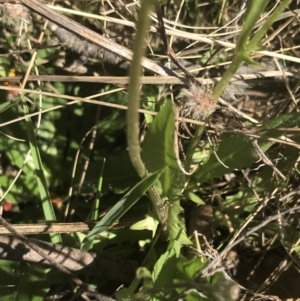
<point>149,150</point>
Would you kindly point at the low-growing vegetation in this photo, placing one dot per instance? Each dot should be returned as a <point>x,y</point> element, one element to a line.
<point>149,150</point>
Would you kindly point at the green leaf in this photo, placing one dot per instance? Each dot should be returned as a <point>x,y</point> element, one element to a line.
<point>118,176</point>
<point>158,139</point>
<point>285,120</point>
<point>158,153</point>
<point>237,151</point>
<point>261,32</point>
<point>158,150</point>
<point>149,223</point>
<point>195,198</point>
<point>223,288</point>
<point>40,173</point>
<point>189,268</point>
<point>120,208</point>
<point>7,104</point>
<point>176,224</point>
<point>165,267</point>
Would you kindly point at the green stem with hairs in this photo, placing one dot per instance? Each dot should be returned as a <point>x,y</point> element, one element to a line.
<point>133,106</point>
<point>242,49</point>
<point>242,53</point>
<point>134,90</point>
<point>243,46</point>
<point>265,27</point>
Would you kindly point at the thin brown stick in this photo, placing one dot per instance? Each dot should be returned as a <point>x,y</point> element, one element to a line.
<point>146,80</point>
<point>91,36</point>
<point>209,268</point>
<point>44,228</point>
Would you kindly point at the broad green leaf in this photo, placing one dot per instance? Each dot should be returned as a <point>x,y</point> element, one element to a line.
<point>120,208</point>
<point>159,138</point>
<point>9,277</point>
<point>189,268</point>
<point>32,284</point>
<point>286,120</point>
<point>119,174</point>
<point>176,224</point>
<point>165,267</point>
<point>158,153</point>
<point>158,150</point>
<point>236,150</point>
<point>149,223</point>
<point>222,288</point>
<point>195,198</point>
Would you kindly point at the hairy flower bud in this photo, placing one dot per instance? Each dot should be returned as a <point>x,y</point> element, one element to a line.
<point>197,102</point>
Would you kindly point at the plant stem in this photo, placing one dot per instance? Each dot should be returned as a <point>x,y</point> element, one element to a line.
<point>134,90</point>
<point>134,105</point>
<point>243,47</point>
<point>230,72</point>
<point>265,27</point>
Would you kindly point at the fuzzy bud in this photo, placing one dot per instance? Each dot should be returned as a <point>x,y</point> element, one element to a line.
<point>198,103</point>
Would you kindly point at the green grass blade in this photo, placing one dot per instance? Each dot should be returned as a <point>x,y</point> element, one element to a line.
<point>253,12</point>
<point>41,179</point>
<point>96,205</point>
<point>120,208</point>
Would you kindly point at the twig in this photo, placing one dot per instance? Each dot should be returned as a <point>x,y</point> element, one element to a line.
<point>47,228</point>
<point>270,219</point>
<point>265,159</point>
<point>148,80</point>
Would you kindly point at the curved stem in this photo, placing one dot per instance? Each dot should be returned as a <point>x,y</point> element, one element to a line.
<point>134,90</point>
<point>133,107</point>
